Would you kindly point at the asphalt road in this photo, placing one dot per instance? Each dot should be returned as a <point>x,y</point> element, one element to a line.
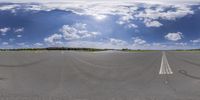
<point>111,75</point>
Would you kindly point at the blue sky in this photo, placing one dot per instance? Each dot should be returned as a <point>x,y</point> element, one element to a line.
<point>152,24</point>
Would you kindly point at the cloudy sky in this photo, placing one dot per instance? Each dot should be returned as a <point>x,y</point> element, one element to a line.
<point>139,24</point>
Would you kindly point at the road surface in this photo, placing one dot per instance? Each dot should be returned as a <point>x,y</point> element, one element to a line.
<point>113,75</point>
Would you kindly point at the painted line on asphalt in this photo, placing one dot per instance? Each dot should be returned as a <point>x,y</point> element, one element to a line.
<point>165,68</point>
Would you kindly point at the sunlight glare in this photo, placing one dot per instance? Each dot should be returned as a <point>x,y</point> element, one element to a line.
<point>100,17</point>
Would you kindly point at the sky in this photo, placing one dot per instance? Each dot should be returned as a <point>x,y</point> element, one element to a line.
<point>139,24</point>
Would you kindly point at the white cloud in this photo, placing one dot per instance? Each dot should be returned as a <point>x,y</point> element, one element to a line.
<point>21,44</point>
<point>174,36</point>
<point>111,43</point>
<point>4,43</point>
<point>55,38</point>
<point>4,30</point>
<point>152,23</point>
<point>69,33</point>
<point>195,41</point>
<point>111,1</point>
<point>132,26</point>
<point>38,44</point>
<point>117,42</point>
<point>156,44</point>
<point>120,22</point>
<point>126,14</point>
<point>181,44</point>
<point>158,12</point>
<point>11,40</point>
<point>90,44</point>
<point>100,17</point>
<point>76,31</point>
<point>138,41</point>
<point>126,10</point>
<point>18,30</point>
<point>9,7</point>
<point>19,36</point>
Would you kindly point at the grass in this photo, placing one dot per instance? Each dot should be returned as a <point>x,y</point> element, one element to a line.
<point>55,48</point>
<point>130,50</point>
<point>192,50</point>
<point>189,51</point>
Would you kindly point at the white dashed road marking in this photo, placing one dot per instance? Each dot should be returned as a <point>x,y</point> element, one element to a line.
<point>165,68</point>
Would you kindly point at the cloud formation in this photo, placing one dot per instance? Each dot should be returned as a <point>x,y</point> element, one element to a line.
<point>118,42</point>
<point>152,23</point>
<point>138,41</point>
<point>18,30</point>
<point>195,41</point>
<point>53,39</point>
<point>129,14</point>
<point>4,43</point>
<point>69,33</point>
<point>76,31</point>
<point>128,11</point>
<point>38,44</point>
<point>174,36</point>
<point>4,30</point>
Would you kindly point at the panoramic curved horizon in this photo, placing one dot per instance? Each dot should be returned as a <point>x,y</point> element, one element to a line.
<point>140,24</point>
<point>99,49</point>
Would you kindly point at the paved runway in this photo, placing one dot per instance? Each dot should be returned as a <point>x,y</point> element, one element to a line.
<point>109,75</point>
